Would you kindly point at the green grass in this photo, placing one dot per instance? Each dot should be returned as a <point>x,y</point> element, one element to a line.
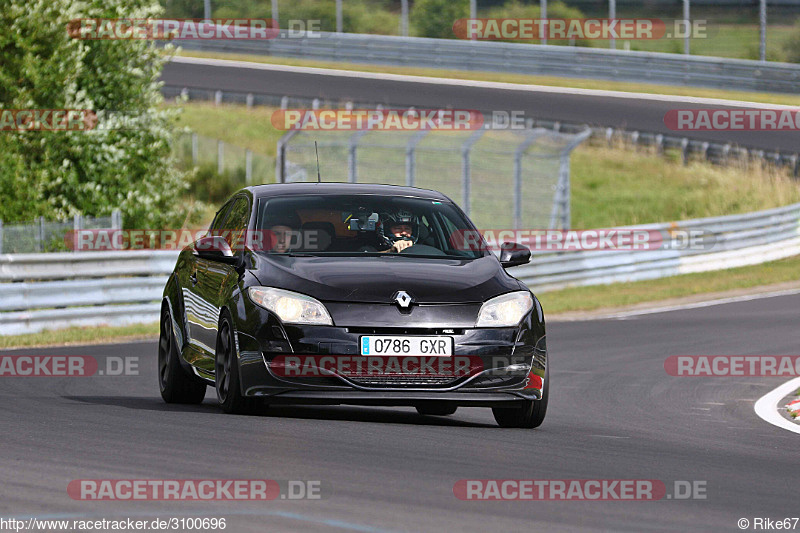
<point>94,335</point>
<point>723,40</point>
<point>234,124</point>
<point>552,81</point>
<point>625,294</point>
<point>622,186</point>
<point>611,186</point>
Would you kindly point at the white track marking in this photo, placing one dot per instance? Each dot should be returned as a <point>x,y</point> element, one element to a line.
<point>767,406</point>
<point>474,83</point>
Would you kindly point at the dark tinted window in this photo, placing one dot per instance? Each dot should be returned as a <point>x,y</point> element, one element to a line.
<point>364,224</point>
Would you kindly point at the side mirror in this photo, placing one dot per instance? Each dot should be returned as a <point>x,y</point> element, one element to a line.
<point>513,254</point>
<point>215,248</point>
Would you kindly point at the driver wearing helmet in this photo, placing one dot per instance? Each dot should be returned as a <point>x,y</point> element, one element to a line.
<point>401,230</point>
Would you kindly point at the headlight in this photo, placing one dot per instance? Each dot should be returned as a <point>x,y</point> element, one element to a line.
<point>291,307</point>
<point>505,310</point>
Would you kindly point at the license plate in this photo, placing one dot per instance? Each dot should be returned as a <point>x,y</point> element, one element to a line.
<point>394,345</point>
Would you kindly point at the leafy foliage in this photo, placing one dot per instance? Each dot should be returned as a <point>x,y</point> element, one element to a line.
<point>57,174</point>
<point>435,18</point>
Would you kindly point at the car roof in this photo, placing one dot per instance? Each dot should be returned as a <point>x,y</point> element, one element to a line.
<point>289,189</point>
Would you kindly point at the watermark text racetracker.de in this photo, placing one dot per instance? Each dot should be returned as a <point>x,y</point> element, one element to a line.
<point>191,29</point>
<point>578,489</point>
<point>410,119</point>
<point>540,240</point>
<point>521,29</point>
<point>67,366</point>
<point>732,119</point>
<point>197,489</point>
<point>732,365</point>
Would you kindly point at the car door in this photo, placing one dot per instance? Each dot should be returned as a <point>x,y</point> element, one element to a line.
<point>199,318</point>
<point>216,280</point>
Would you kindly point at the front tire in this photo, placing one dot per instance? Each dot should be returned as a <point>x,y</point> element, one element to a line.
<point>226,372</point>
<point>530,414</point>
<point>176,385</point>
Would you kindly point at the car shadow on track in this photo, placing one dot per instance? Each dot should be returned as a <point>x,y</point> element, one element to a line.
<point>382,415</point>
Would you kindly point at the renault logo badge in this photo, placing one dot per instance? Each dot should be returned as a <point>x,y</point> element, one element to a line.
<point>403,299</point>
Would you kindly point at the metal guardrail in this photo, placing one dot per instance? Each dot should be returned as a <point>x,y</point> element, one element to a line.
<point>520,58</point>
<point>52,291</point>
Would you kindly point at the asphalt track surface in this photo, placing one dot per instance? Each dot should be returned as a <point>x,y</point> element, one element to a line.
<point>614,414</point>
<point>631,112</point>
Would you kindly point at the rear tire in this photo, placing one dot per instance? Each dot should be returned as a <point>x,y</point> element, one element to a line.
<point>437,409</point>
<point>530,414</point>
<point>176,385</point>
<point>226,372</point>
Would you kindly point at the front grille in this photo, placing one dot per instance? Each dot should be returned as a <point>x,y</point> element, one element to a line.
<point>405,331</point>
<point>402,381</point>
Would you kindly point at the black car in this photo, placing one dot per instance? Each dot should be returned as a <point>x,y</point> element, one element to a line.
<point>331,293</point>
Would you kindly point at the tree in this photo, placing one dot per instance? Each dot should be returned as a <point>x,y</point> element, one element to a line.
<point>57,174</point>
<point>435,18</point>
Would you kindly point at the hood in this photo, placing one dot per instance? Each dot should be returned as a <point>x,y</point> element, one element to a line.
<point>377,279</point>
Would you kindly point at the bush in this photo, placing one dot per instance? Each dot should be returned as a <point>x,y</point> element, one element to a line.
<point>435,18</point>
<point>790,47</point>
<point>555,10</point>
<point>59,174</point>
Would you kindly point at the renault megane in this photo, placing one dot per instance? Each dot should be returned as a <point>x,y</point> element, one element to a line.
<point>355,294</point>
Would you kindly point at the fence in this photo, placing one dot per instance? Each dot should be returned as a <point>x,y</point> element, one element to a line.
<point>42,235</point>
<point>60,290</point>
<point>516,58</point>
<point>517,174</point>
<point>241,166</point>
<point>713,152</point>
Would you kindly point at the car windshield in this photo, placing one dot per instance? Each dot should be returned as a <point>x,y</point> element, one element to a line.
<point>364,225</point>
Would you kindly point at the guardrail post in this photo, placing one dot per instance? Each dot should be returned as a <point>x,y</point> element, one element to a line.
<point>466,174</point>
<point>77,225</point>
<point>762,30</point>
<point>284,102</point>
<point>217,97</point>
<point>195,149</point>
<point>315,103</point>
<point>411,157</point>
<point>685,150</point>
<point>518,153</point>
<point>220,157</point>
<point>1,236</point>
<point>116,219</point>
<point>542,15</point>
<point>274,13</point>
<point>280,158</point>
<point>612,14</point>
<point>687,28</point>
<point>248,166</point>
<point>249,100</point>
<point>339,22</point>
<point>40,244</point>
<point>352,159</point>
<point>404,18</point>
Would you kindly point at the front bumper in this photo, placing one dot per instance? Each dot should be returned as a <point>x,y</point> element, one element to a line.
<point>510,367</point>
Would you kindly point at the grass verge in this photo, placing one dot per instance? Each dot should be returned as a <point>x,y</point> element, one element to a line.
<point>611,186</point>
<point>626,294</point>
<point>552,81</point>
<point>81,336</point>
